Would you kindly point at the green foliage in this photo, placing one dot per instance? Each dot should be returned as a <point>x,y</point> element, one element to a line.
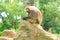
<point>51,14</point>
<point>14,12</point>
<point>49,9</point>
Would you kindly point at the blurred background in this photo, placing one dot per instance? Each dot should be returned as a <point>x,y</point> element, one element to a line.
<point>11,12</point>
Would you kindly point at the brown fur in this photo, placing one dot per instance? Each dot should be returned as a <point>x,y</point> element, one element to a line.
<point>34,14</point>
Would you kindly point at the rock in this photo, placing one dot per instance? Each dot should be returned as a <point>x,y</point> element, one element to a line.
<point>9,33</point>
<point>28,31</point>
<point>5,38</point>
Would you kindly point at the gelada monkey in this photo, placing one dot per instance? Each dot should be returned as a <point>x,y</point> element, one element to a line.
<point>34,15</point>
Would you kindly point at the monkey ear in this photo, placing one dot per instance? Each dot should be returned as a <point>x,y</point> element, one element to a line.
<point>27,8</point>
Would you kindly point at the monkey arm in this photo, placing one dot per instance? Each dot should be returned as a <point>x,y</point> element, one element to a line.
<point>25,18</point>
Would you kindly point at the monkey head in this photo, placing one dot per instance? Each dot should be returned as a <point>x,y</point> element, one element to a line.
<point>32,11</point>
